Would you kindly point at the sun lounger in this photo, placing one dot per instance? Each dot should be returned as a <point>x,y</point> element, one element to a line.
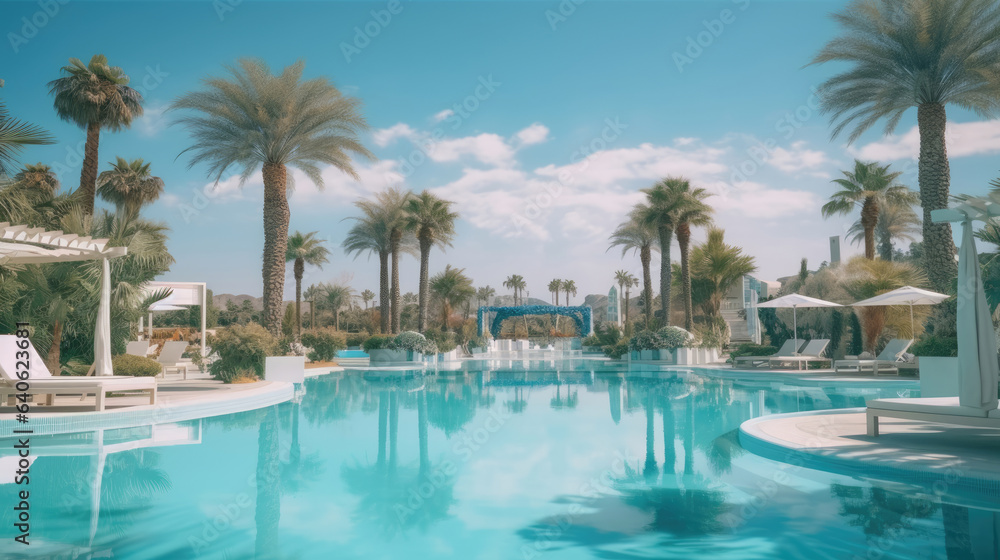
<point>170,357</point>
<point>942,410</point>
<point>138,348</point>
<point>887,360</point>
<point>789,348</point>
<point>811,352</point>
<point>42,382</point>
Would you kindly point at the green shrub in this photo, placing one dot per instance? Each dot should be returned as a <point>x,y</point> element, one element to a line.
<point>445,341</point>
<point>324,343</point>
<point>376,342</point>
<point>936,346</point>
<point>242,350</point>
<point>478,342</point>
<point>592,340</point>
<point>135,366</point>
<point>413,342</point>
<point>672,337</point>
<point>616,351</point>
<point>644,340</point>
<point>751,349</point>
<point>356,339</point>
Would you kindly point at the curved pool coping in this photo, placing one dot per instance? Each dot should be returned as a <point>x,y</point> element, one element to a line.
<point>970,487</point>
<point>213,403</point>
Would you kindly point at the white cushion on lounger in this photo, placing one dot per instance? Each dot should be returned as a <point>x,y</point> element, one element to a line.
<point>930,405</point>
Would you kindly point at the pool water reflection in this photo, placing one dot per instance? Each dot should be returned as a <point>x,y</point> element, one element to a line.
<point>518,460</point>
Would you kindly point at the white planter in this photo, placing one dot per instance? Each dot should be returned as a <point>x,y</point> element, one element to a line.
<point>647,355</point>
<point>687,356</point>
<point>386,356</point>
<point>938,377</point>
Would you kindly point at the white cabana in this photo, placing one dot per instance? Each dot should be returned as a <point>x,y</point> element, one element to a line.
<point>796,301</point>
<point>27,245</point>
<point>182,294</point>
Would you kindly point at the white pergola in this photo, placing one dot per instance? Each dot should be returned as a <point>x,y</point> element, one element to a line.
<point>27,245</point>
<point>182,294</point>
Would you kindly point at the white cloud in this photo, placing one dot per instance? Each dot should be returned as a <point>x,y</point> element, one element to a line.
<point>153,119</point>
<point>442,115</point>
<point>385,136</point>
<point>756,200</point>
<point>534,134</point>
<point>797,158</point>
<point>963,139</point>
<point>487,148</point>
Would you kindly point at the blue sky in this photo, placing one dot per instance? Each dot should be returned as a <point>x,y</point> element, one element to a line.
<point>565,111</point>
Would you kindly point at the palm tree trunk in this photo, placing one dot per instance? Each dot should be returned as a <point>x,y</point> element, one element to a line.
<point>276,217</point>
<point>88,175</point>
<point>299,269</point>
<point>934,178</point>
<point>666,237</point>
<point>869,219</point>
<point>336,318</point>
<point>383,291</point>
<point>396,298</point>
<point>444,315</point>
<point>626,307</point>
<point>645,255</point>
<point>53,358</point>
<point>684,240</point>
<point>425,254</point>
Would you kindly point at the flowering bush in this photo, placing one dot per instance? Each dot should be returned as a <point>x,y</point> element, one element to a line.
<point>645,340</point>
<point>414,342</point>
<point>673,337</point>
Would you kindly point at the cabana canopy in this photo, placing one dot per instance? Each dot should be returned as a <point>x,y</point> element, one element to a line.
<point>182,294</point>
<point>27,245</point>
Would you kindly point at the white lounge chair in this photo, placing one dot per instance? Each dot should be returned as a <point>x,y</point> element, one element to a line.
<point>811,352</point>
<point>789,348</point>
<point>138,348</point>
<point>943,410</point>
<point>887,360</point>
<point>170,357</point>
<point>42,382</point>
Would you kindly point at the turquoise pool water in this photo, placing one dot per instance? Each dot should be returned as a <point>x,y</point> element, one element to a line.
<point>540,460</point>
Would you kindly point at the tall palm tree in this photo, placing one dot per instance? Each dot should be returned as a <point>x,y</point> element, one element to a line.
<point>388,215</point>
<point>336,297</point>
<point>253,119</point>
<point>554,287</point>
<point>924,54</point>
<point>452,287</point>
<point>304,249</point>
<point>14,136</point>
<point>129,185</point>
<point>635,235</point>
<point>895,222</point>
<point>484,294</point>
<point>370,234</point>
<point>869,186</point>
<point>625,282</point>
<point>718,266</point>
<point>693,213</point>
<point>367,296</point>
<point>664,201</point>
<point>620,279</point>
<point>516,283</point>
<point>430,218</point>
<point>94,96</point>
<point>569,288</point>
<point>37,177</point>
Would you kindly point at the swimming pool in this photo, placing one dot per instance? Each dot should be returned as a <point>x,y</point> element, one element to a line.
<point>523,460</point>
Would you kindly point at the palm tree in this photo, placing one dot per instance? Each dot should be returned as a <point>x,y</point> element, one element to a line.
<point>430,218</point>
<point>370,234</point>
<point>635,235</point>
<point>52,291</point>
<point>516,283</point>
<point>718,266</point>
<point>337,296</point>
<point>386,217</point>
<point>569,288</point>
<point>922,53</point>
<point>38,177</point>
<point>14,136</point>
<point>895,221</point>
<point>664,200</point>
<point>865,278</point>
<point>554,287</point>
<point>367,296</point>
<point>625,281</point>
<point>484,294</point>
<point>620,279</point>
<point>694,213</point>
<point>94,96</point>
<point>129,185</point>
<point>304,249</point>
<point>452,287</point>
<point>870,186</point>
<point>257,120</point>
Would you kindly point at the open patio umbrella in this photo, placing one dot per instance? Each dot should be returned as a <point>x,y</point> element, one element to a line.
<point>907,295</point>
<point>796,301</point>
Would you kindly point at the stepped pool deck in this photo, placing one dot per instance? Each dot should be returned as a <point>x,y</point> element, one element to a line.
<point>939,458</point>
